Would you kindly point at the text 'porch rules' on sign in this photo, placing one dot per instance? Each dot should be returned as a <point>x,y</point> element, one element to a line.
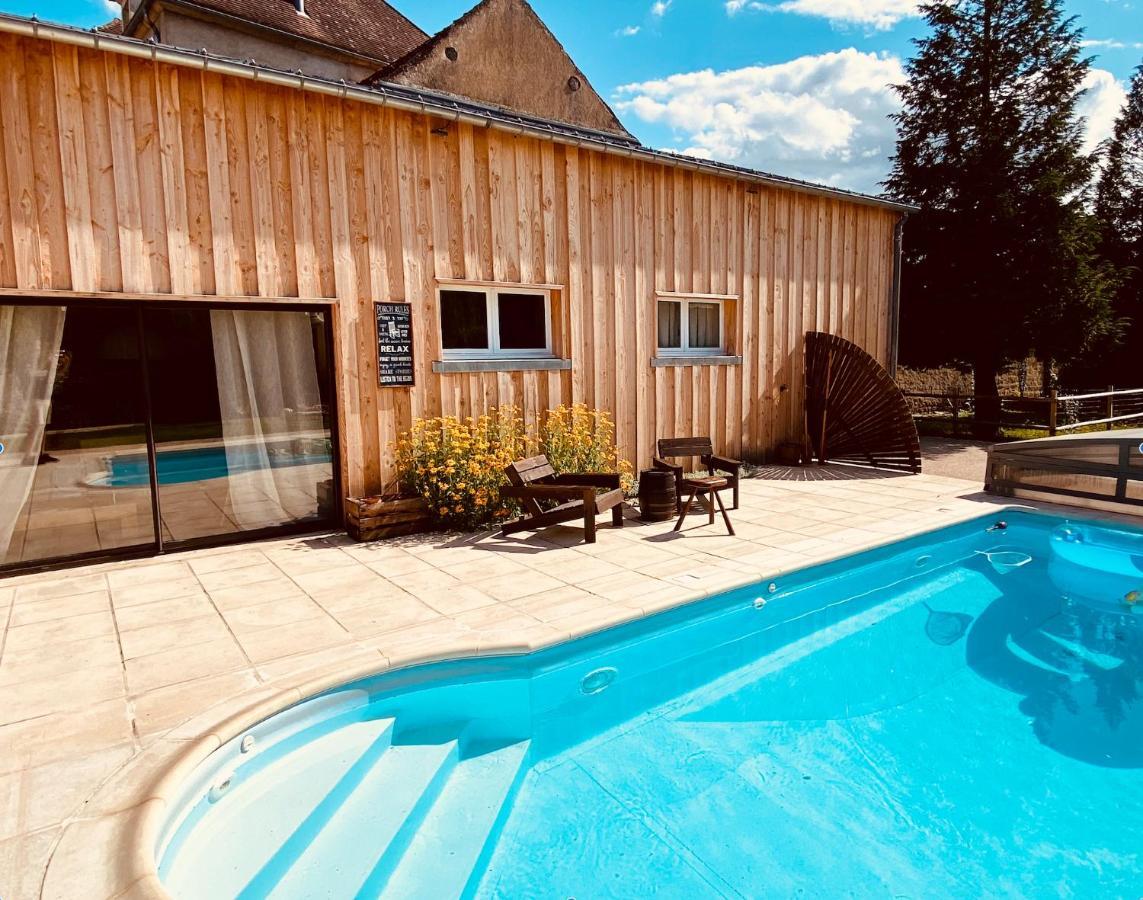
<point>394,344</point>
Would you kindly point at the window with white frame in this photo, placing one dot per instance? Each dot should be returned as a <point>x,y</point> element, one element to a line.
<point>690,327</point>
<point>480,322</point>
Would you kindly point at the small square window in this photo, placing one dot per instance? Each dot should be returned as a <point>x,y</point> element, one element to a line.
<point>523,321</point>
<point>464,320</point>
<point>705,326</point>
<point>491,322</point>
<point>690,328</point>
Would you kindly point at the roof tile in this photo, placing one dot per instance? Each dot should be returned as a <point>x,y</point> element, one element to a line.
<point>370,28</point>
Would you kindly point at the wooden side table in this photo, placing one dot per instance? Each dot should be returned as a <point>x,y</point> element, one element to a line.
<point>706,490</point>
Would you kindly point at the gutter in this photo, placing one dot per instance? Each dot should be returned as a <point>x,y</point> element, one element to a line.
<point>895,293</point>
<point>423,102</point>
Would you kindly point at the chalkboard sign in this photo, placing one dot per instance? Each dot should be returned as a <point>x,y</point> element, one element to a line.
<point>394,344</point>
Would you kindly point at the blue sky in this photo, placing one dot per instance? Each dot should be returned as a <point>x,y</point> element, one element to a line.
<point>798,87</point>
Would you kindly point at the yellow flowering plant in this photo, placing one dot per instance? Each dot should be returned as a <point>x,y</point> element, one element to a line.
<point>580,439</point>
<point>457,465</point>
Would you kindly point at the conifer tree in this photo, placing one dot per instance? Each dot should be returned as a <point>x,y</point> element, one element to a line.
<point>1119,210</point>
<point>1000,260</point>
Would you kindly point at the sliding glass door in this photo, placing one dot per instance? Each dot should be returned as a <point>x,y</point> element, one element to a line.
<point>242,420</point>
<point>148,427</point>
<point>71,401</point>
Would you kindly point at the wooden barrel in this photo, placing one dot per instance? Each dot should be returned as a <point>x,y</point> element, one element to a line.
<point>657,501</point>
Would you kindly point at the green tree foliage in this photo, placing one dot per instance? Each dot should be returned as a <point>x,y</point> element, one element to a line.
<point>1119,210</point>
<point>1000,261</point>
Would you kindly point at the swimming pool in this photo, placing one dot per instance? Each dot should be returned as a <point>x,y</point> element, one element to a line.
<point>958,714</point>
<point>203,463</point>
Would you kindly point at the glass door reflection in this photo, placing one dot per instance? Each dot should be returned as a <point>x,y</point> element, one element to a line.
<point>74,474</point>
<point>241,416</point>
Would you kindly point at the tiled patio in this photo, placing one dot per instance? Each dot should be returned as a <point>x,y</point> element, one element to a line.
<point>101,665</point>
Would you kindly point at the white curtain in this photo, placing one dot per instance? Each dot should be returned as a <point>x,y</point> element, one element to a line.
<point>704,325</point>
<point>30,339</point>
<point>670,324</point>
<point>269,398</point>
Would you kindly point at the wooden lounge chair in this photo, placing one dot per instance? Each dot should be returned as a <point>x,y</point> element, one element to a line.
<point>550,499</point>
<point>674,448</point>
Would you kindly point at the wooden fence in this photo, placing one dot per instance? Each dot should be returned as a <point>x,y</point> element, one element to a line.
<point>1055,413</point>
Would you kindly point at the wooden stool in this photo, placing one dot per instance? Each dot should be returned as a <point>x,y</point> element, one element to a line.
<point>706,489</point>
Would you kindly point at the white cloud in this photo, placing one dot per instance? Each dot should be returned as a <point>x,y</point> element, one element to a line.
<point>1103,98</point>
<point>112,7</point>
<point>659,8</point>
<point>1111,44</point>
<point>878,14</point>
<point>627,31</point>
<point>822,118</point>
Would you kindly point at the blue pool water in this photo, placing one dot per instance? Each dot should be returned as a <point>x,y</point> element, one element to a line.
<point>957,715</point>
<point>202,463</point>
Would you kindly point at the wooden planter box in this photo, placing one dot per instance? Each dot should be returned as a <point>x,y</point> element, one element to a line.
<point>372,518</point>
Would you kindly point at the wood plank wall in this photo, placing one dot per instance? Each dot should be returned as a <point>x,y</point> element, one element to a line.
<point>118,174</point>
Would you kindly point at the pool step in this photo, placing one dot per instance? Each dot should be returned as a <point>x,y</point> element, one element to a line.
<point>248,827</point>
<point>450,849</point>
<point>376,820</point>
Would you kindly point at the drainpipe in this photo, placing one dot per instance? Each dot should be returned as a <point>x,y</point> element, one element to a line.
<point>895,294</point>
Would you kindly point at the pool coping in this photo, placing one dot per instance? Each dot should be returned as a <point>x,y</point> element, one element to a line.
<point>139,795</point>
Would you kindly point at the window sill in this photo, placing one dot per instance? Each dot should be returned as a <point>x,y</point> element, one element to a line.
<point>446,366</point>
<point>658,362</point>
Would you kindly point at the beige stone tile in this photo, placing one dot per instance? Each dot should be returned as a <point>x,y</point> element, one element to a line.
<point>55,631</point>
<point>223,561</point>
<point>519,637</point>
<point>155,591</point>
<point>250,595</point>
<point>286,611</point>
<point>157,711</point>
<point>148,673</point>
<point>399,566</point>
<point>376,552</point>
<point>389,615</point>
<point>148,573</point>
<point>425,585</point>
<point>460,599</point>
<point>44,796</point>
<point>631,588</point>
<point>563,601</point>
<point>482,565</point>
<point>72,689</point>
<point>60,586</point>
<point>286,640</point>
<point>379,593</point>
<point>345,657</point>
<point>773,560</point>
<point>28,612</point>
<point>298,559</point>
<point>43,664</point>
<point>344,579</point>
<point>90,856</point>
<point>517,586</point>
<point>240,577</point>
<point>500,617</point>
<point>164,612</point>
<point>442,636</point>
<point>60,735</point>
<point>23,860</point>
<point>150,639</point>
<point>637,556</point>
<point>586,621</point>
<point>582,569</point>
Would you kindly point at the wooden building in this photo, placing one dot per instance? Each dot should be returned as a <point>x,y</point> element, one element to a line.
<point>544,260</point>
